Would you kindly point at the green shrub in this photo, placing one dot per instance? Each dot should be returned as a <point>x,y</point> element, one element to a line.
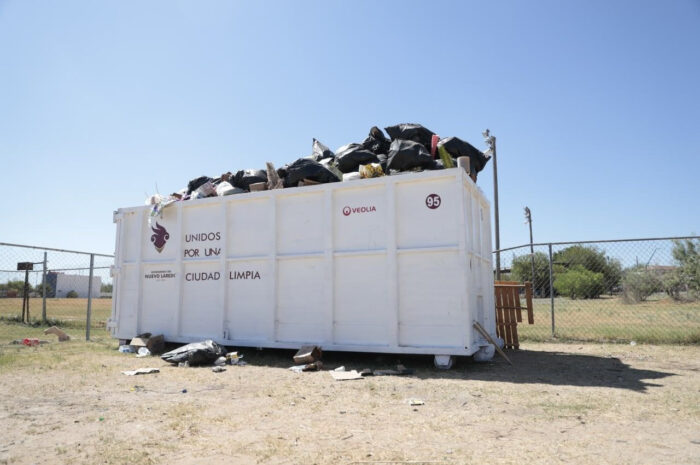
<point>638,284</point>
<point>578,282</point>
<point>71,295</point>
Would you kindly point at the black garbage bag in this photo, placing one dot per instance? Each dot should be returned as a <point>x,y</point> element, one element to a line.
<point>349,157</point>
<point>244,178</point>
<point>194,184</point>
<point>320,151</point>
<point>376,142</point>
<point>305,168</point>
<point>406,155</point>
<point>197,353</point>
<point>437,165</point>
<point>383,159</point>
<point>456,147</point>
<point>410,131</point>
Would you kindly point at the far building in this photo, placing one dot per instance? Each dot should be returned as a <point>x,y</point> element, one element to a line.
<point>60,284</point>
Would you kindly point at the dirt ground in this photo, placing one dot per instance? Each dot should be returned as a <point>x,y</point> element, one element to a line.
<point>559,403</point>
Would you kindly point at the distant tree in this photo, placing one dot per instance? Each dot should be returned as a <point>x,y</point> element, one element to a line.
<point>578,282</point>
<point>106,288</point>
<point>521,269</point>
<point>639,283</point>
<point>591,259</point>
<point>71,295</point>
<point>17,285</point>
<point>687,254</point>
<point>39,289</point>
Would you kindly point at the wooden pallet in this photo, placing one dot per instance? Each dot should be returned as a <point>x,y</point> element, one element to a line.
<point>509,310</point>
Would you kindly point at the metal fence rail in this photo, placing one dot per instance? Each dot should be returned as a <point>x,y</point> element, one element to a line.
<point>68,288</point>
<point>644,290</point>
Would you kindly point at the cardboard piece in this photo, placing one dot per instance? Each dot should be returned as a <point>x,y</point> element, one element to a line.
<point>307,354</point>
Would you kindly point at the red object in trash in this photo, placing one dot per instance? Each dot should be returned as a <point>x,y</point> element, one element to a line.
<point>433,145</point>
<point>30,342</point>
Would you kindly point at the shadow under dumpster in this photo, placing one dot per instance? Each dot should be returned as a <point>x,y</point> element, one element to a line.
<point>529,367</point>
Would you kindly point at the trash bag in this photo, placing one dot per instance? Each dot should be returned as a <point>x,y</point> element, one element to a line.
<point>320,151</point>
<point>197,182</point>
<point>245,178</point>
<point>197,353</point>
<point>437,165</point>
<point>409,131</point>
<point>456,147</point>
<point>305,168</point>
<point>406,155</point>
<point>383,158</point>
<point>376,142</point>
<point>349,157</point>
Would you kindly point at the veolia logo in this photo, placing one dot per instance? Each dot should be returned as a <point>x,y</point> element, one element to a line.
<point>347,211</point>
<point>160,237</point>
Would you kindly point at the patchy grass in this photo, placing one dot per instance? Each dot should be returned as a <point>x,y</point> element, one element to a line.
<point>656,321</point>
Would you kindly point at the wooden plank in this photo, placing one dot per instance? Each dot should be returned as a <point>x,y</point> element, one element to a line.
<point>528,302</point>
<point>516,298</point>
<point>483,332</point>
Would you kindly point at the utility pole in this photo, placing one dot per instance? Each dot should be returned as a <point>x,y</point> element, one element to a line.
<point>491,143</point>
<point>528,218</point>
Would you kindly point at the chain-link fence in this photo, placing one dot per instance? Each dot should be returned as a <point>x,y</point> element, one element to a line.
<point>644,290</point>
<point>42,287</point>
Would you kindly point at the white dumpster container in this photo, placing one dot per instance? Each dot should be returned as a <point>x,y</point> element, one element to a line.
<point>398,264</point>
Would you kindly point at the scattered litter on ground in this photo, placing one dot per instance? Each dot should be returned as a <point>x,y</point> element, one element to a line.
<point>143,352</point>
<point>342,368</point>
<point>415,402</point>
<point>221,361</point>
<point>400,370</point>
<point>315,366</point>
<point>62,336</point>
<point>308,354</point>
<point>196,353</point>
<point>127,349</point>
<point>218,369</point>
<point>367,372</point>
<point>154,344</point>
<point>141,371</point>
<point>232,358</point>
<point>345,375</point>
<point>30,341</point>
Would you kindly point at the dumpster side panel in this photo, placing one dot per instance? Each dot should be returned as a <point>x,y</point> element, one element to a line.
<point>394,264</point>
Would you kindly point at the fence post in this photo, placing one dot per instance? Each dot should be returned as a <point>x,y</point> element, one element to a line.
<point>43,293</point>
<point>551,287</point>
<point>89,302</point>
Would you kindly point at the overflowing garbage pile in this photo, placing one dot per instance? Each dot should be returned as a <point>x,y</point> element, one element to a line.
<point>409,148</point>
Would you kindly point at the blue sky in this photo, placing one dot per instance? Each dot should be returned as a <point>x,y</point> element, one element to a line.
<point>595,104</point>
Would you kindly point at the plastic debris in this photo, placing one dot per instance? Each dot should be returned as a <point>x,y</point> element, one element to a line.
<point>31,342</point>
<point>221,361</point>
<point>127,349</point>
<point>320,152</point>
<point>141,371</point>
<point>143,352</point>
<point>345,375</point>
<point>414,402</point>
<point>400,370</point>
<point>273,179</point>
<point>197,353</point>
<point>376,141</point>
<point>351,176</point>
<point>218,369</point>
<point>225,188</point>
